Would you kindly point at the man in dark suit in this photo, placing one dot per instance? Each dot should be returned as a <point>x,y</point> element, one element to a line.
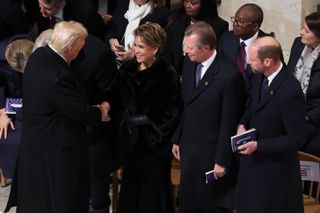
<point>53,152</point>
<point>212,109</point>
<point>246,28</point>
<point>95,67</point>
<point>269,172</point>
<point>54,11</point>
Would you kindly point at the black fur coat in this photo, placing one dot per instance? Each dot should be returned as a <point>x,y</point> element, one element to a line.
<point>153,93</point>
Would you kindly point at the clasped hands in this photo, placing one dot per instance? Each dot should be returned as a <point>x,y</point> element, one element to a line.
<point>104,108</point>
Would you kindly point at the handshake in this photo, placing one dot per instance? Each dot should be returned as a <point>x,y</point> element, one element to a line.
<point>104,108</point>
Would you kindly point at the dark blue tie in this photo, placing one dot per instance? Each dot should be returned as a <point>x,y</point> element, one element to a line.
<point>264,87</point>
<point>198,74</point>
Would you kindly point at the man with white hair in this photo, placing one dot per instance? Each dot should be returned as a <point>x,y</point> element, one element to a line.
<point>53,173</point>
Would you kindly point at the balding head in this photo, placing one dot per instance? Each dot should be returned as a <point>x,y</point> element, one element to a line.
<point>268,47</point>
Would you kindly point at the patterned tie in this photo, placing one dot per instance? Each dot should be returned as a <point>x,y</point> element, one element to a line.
<point>264,87</point>
<point>198,74</point>
<point>241,59</point>
<point>53,21</point>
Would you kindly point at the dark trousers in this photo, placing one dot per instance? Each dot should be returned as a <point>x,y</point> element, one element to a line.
<point>100,178</point>
<point>146,186</point>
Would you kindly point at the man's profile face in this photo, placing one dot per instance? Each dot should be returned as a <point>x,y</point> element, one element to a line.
<point>190,47</point>
<point>244,25</point>
<point>48,10</point>
<point>254,61</point>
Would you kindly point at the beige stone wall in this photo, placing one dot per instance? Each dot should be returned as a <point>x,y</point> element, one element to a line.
<point>284,17</point>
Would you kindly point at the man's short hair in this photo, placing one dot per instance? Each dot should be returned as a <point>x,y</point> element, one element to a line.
<point>65,35</point>
<point>257,11</point>
<point>272,51</point>
<point>205,33</point>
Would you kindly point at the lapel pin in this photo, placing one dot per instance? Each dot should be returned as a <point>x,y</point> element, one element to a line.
<point>206,83</point>
<point>271,92</point>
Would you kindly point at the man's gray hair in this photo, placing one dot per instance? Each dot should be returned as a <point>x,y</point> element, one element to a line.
<point>65,35</point>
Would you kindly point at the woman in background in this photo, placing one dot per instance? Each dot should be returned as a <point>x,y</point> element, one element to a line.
<point>11,71</point>
<point>148,87</point>
<point>192,11</point>
<point>128,15</point>
<point>305,63</point>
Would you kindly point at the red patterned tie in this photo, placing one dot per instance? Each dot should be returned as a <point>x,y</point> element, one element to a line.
<point>241,59</point>
<point>53,21</point>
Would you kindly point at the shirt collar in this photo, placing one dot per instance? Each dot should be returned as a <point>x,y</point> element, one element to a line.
<point>59,15</point>
<point>206,64</point>
<point>273,75</point>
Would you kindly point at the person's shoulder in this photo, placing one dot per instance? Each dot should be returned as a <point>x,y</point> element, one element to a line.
<point>227,36</point>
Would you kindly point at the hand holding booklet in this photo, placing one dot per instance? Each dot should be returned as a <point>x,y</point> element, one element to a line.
<point>12,105</point>
<point>243,138</point>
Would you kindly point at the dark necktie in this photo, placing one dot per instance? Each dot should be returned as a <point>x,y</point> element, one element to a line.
<point>53,21</point>
<point>198,74</point>
<point>241,59</point>
<point>264,87</point>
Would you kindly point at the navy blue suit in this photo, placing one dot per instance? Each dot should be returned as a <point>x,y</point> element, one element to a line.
<point>269,178</point>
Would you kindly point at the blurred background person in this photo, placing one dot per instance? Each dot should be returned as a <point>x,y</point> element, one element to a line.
<point>304,62</point>
<point>128,15</point>
<point>53,152</point>
<point>46,13</point>
<point>148,87</point>
<point>191,12</point>
<point>234,45</point>
<point>17,54</point>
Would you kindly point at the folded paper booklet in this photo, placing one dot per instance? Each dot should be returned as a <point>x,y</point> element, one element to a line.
<point>243,138</point>
<point>209,176</point>
<point>12,105</point>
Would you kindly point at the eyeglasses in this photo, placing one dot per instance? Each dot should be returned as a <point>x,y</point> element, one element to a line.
<point>240,23</point>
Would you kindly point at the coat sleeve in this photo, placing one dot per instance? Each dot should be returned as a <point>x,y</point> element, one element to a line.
<point>233,103</point>
<point>70,103</point>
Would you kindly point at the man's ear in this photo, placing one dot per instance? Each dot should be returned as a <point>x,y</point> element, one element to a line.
<point>267,62</point>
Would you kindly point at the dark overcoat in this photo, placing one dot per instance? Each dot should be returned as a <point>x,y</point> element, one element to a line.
<point>269,178</point>
<point>52,173</point>
<point>210,117</point>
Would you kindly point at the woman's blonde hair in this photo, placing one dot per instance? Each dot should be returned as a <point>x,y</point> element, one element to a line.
<point>17,53</point>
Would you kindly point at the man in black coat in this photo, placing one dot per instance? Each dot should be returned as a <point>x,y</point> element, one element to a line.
<point>269,172</point>
<point>212,110</point>
<point>95,68</point>
<point>246,28</point>
<point>53,152</point>
<point>54,11</point>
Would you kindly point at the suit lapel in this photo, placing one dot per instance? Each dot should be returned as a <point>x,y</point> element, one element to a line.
<point>271,91</point>
<point>205,81</point>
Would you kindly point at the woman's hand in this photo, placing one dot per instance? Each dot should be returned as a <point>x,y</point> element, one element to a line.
<point>113,43</point>
<point>124,55</point>
<point>5,121</point>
